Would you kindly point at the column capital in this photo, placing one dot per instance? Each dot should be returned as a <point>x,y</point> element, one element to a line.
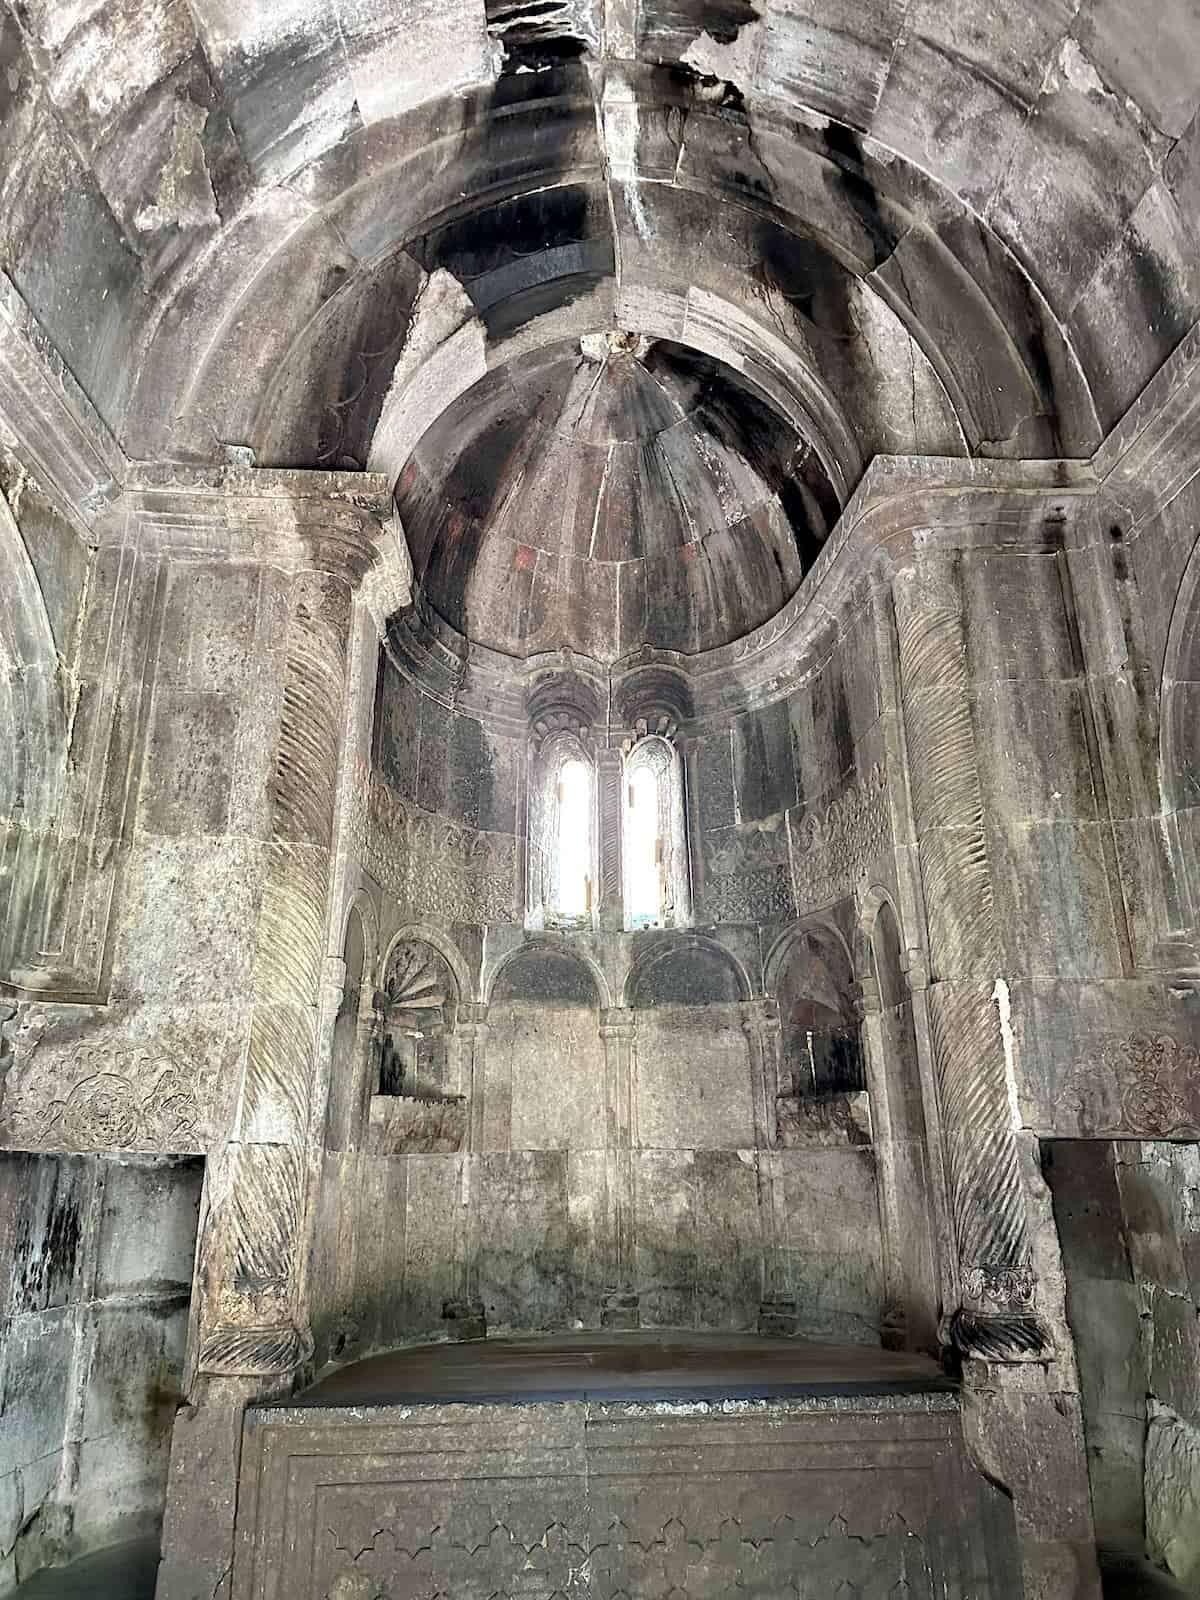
<point>338,523</point>
<point>617,1022</point>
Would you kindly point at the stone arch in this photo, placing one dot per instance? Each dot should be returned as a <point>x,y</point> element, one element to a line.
<point>1179,744</point>
<point>436,939</point>
<point>547,969</point>
<point>685,969</point>
<point>33,722</point>
<point>418,1000</point>
<point>810,974</point>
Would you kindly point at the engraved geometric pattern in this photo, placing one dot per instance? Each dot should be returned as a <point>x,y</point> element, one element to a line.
<point>778,1501</point>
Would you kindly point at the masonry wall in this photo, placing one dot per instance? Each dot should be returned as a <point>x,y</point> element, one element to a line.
<point>96,1259</point>
<point>1128,1214</point>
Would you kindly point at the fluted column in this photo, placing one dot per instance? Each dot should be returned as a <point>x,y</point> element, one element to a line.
<point>966,1005</point>
<point>620,1308</point>
<point>254,1320</point>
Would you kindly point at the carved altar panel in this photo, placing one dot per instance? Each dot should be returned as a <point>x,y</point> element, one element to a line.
<point>868,1496</point>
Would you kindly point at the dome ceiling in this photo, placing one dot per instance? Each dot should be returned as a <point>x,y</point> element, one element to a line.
<point>337,231</point>
<point>612,492</point>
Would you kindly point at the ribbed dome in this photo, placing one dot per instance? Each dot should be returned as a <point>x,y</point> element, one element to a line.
<point>611,493</point>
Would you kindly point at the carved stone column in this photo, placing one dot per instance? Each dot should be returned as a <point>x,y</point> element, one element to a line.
<point>610,778</point>
<point>465,1314</point>
<point>996,1315</point>
<point>777,1310</point>
<point>617,1029</point>
<point>254,1320</point>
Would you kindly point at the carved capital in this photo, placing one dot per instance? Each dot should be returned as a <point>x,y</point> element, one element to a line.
<point>276,1350</point>
<point>618,1022</point>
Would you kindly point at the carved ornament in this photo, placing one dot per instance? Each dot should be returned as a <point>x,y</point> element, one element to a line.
<point>1146,1085</point>
<point>832,846</point>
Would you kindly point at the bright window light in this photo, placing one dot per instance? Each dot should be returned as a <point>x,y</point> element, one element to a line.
<point>644,845</point>
<point>574,839</point>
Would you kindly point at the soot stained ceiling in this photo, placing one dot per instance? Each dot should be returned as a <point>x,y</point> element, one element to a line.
<point>315,228</point>
<point>609,493</point>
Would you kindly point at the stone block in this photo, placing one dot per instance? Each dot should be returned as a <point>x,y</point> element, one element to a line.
<point>1151,1222</point>
<point>729,1240</point>
<point>1033,752</point>
<point>1173,1496</point>
<point>147,1240</point>
<point>1053,898</point>
<point>1175,1362</point>
<point>665,1268</point>
<point>553,1056</point>
<point>693,1080</point>
<point>528,1266</point>
<point>188,915</point>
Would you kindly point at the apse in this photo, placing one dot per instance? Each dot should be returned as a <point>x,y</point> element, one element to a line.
<point>598,907</point>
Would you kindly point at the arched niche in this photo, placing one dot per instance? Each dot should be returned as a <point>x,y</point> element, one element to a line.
<point>693,1084</point>
<point>418,1006</point>
<point>542,1141</point>
<point>691,972</point>
<point>1179,754</point>
<point>811,978</point>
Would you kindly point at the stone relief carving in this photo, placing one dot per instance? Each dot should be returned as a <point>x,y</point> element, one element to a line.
<point>436,867</point>
<point>747,880</point>
<point>832,845</point>
<point>124,1098</point>
<point>1146,1085</point>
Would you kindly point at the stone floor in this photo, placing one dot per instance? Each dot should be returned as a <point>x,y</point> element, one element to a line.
<point>660,1365</point>
<point>124,1572</point>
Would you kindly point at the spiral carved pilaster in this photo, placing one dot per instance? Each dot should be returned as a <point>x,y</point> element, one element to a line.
<point>253,1241</point>
<point>996,1318</point>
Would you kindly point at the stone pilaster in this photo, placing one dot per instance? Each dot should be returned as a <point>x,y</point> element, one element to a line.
<point>617,1027</point>
<point>996,1315</point>
<point>253,1320</point>
<point>777,1308</point>
<point>466,1318</point>
<point>610,778</point>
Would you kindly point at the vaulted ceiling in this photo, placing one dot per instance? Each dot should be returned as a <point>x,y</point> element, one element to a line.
<point>338,231</point>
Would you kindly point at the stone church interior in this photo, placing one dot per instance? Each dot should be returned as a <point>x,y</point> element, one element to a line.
<point>599,799</point>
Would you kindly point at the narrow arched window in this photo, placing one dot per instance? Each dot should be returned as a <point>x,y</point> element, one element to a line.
<point>562,835</point>
<point>644,850</point>
<point>654,839</point>
<point>573,885</point>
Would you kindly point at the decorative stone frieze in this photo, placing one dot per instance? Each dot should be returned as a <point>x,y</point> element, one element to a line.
<point>1143,1086</point>
<point>747,876</point>
<point>436,867</point>
<point>833,844</point>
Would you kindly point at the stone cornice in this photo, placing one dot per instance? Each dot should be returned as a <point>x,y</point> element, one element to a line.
<point>333,521</point>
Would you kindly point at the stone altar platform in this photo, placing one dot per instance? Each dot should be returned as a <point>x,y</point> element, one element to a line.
<point>628,1467</point>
